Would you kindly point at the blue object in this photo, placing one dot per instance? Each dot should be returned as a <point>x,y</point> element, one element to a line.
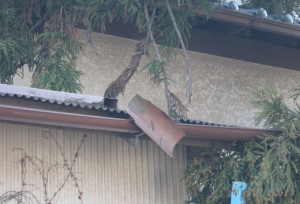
<point>238,188</point>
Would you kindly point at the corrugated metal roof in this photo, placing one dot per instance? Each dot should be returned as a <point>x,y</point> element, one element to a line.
<point>57,97</point>
<point>199,122</point>
<point>77,100</point>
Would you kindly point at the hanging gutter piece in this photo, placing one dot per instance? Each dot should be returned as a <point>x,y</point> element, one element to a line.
<point>155,123</point>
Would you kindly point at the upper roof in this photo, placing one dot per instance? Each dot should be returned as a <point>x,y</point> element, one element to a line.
<point>256,18</point>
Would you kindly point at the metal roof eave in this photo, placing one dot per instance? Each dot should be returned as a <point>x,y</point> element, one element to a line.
<point>243,19</point>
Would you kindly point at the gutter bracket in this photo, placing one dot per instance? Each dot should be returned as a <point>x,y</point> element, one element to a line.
<point>136,140</point>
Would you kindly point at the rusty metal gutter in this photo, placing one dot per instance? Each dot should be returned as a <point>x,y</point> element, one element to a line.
<point>224,133</point>
<point>196,135</point>
<point>163,130</point>
<point>155,123</point>
<point>38,116</point>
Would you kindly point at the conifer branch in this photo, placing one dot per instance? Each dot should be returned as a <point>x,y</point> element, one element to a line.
<point>185,54</point>
<point>37,24</point>
<point>159,58</point>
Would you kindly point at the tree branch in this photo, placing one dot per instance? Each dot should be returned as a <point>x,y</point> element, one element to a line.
<point>252,19</point>
<point>37,24</point>
<point>89,36</point>
<point>43,46</point>
<point>159,58</point>
<point>185,54</point>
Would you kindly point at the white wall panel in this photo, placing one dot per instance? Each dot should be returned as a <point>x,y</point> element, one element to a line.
<point>108,169</point>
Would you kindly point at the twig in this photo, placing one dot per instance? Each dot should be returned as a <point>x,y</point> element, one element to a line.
<point>39,165</point>
<point>69,167</point>
<point>252,19</point>
<point>79,7</point>
<point>88,24</point>
<point>43,46</point>
<point>18,196</point>
<point>159,58</point>
<point>37,24</point>
<point>185,54</point>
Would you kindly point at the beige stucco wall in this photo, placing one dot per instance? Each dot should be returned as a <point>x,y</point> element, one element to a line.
<point>221,86</point>
<point>107,168</point>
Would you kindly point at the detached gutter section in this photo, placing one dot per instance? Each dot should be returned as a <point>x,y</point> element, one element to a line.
<point>163,130</point>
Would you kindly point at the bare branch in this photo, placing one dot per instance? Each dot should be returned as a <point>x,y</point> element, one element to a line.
<point>252,19</point>
<point>89,36</point>
<point>69,167</point>
<point>158,56</point>
<point>37,24</point>
<point>185,54</point>
<point>43,46</point>
<point>18,196</point>
<point>39,165</point>
<point>118,86</point>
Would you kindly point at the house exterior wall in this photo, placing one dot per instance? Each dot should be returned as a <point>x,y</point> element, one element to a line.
<point>108,169</point>
<point>221,86</point>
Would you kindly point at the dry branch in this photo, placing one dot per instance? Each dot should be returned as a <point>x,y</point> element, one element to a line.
<point>119,85</point>
<point>44,174</point>
<point>177,108</point>
<point>88,24</point>
<point>185,54</point>
<point>158,56</point>
<point>21,197</point>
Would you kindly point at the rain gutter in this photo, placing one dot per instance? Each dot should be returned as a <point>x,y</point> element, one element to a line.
<point>196,135</point>
<point>224,133</point>
<point>46,117</point>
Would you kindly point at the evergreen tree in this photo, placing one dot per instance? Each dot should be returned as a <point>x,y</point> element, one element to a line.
<point>270,166</point>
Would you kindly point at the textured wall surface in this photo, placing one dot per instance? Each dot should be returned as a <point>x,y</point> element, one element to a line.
<point>108,169</point>
<point>221,86</point>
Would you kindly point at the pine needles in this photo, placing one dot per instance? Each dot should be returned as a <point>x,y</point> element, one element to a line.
<point>269,166</point>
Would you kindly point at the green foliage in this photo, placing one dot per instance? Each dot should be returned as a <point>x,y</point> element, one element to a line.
<point>155,70</point>
<point>167,37</point>
<point>41,35</point>
<point>269,166</point>
<point>58,71</point>
<point>274,7</point>
<point>15,47</point>
<point>34,30</point>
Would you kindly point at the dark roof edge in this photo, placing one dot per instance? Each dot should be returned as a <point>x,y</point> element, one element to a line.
<point>241,18</point>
